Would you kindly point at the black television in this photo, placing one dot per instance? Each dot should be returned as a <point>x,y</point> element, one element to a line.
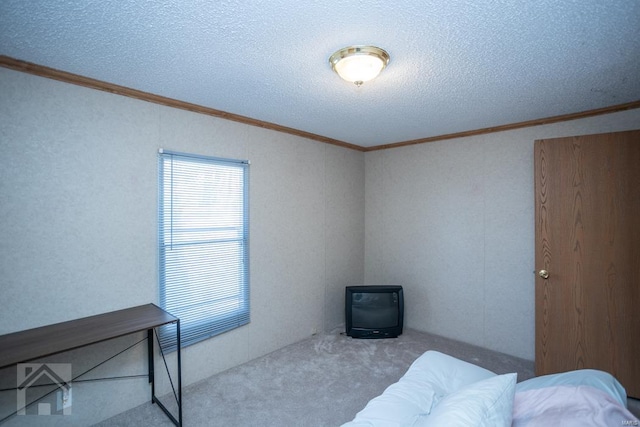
<point>374,311</point>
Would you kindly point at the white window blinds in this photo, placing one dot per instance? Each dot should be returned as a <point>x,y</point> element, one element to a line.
<point>203,235</point>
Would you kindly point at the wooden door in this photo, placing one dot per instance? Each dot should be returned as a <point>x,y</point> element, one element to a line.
<point>587,229</point>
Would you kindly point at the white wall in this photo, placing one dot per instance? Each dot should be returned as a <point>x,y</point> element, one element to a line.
<point>453,221</point>
<point>78,209</point>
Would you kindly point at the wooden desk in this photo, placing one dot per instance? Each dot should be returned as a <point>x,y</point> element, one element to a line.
<point>23,346</point>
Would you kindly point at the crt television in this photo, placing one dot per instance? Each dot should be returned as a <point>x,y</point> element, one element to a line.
<point>374,311</point>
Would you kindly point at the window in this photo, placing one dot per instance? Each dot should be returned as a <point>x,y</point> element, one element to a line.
<point>203,245</point>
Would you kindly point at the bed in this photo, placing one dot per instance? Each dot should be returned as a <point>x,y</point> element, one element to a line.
<point>440,390</point>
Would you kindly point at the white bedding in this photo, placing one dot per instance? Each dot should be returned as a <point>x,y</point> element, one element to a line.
<point>441,389</point>
<point>569,406</point>
<point>591,377</point>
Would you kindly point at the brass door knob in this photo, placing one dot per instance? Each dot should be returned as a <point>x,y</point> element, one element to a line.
<point>544,274</point>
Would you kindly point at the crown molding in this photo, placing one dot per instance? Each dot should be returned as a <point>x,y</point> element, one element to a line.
<point>63,76</point>
<point>512,126</point>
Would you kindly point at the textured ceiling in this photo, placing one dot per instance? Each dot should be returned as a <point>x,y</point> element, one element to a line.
<point>455,65</point>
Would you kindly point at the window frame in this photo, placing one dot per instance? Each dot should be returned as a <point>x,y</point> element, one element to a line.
<point>177,292</point>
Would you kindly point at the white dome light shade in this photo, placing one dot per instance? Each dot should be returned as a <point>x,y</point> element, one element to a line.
<point>358,64</point>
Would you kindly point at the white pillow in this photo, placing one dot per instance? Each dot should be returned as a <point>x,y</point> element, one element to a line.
<point>430,377</point>
<point>445,374</point>
<point>486,403</point>
<point>399,405</point>
<point>591,377</point>
<point>391,408</point>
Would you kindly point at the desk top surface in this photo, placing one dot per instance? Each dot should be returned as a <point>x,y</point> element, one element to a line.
<point>34,343</point>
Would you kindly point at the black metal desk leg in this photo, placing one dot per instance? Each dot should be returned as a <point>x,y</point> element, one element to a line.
<point>151,362</point>
<point>179,374</point>
<point>177,394</point>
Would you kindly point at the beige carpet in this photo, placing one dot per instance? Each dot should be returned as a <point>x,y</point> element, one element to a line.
<point>322,381</point>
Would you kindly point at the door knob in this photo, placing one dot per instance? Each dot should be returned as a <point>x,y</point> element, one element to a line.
<point>544,274</point>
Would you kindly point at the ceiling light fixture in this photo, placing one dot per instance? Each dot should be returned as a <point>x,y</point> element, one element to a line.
<point>358,64</point>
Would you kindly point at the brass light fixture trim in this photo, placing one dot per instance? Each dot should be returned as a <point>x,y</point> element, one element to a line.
<point>360,63</point>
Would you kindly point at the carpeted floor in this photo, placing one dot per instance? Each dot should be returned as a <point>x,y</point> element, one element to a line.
<point>322,381</point>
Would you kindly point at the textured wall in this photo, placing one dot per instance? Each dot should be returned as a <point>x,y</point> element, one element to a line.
<point>453,221</point>
<point>78,195</point>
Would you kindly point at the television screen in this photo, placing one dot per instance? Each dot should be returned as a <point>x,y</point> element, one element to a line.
<point>374,308</point>
<point>374,311</point>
